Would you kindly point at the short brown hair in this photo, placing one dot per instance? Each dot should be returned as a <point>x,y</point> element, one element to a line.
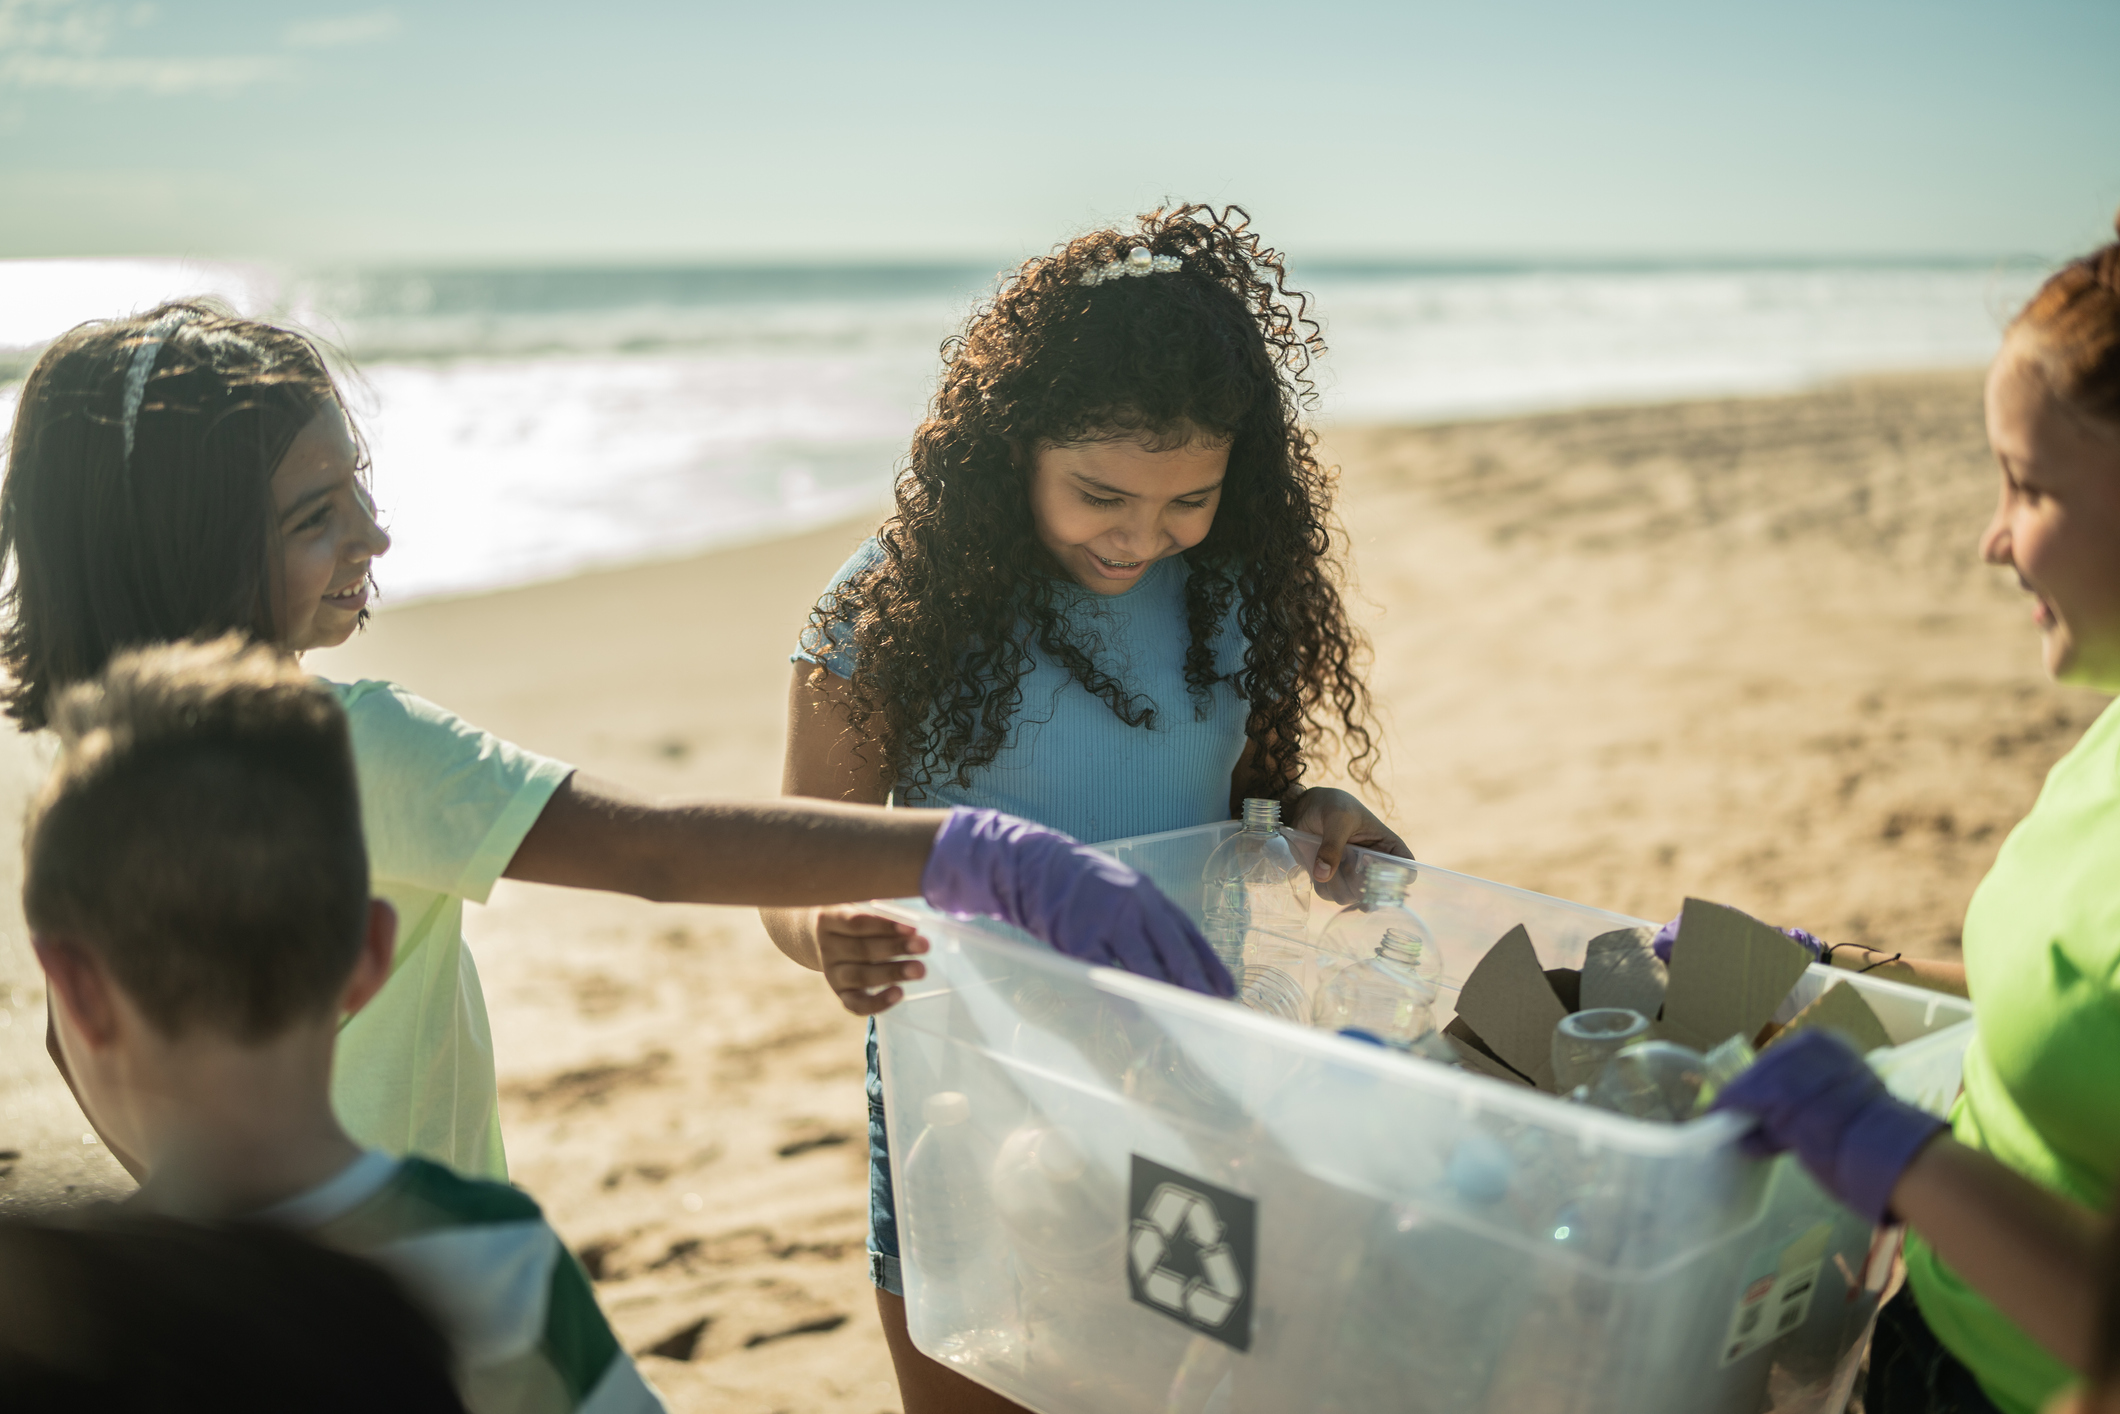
<point>2071,331</point>
<point>108,551</point>
<point>201,835</point>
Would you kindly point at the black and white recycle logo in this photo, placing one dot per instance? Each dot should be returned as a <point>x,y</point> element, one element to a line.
<point>1191,1250</point>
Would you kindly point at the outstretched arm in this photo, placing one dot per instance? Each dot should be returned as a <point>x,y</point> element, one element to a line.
<point>776,853</point>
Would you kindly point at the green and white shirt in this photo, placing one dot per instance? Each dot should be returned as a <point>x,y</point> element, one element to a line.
<point>516,1307</point>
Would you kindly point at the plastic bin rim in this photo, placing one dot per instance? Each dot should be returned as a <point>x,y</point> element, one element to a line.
<point>1420,865</point>
<point>1701,1136</point>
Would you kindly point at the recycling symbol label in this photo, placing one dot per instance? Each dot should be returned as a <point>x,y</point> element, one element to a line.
<point>1191,1252</point>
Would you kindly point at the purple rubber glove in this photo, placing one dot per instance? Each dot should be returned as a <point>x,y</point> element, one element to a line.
<point>1668,934</point>
<point>1813,1094</point>
<point>1087,905</point>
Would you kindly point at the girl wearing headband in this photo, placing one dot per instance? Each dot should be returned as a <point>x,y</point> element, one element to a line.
<point>186,473</point>
<point>1107,601</point>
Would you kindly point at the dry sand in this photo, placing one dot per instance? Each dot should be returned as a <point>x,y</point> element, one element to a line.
<point>1738,648</point>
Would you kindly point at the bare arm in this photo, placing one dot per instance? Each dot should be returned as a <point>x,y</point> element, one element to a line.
<point>777,854</point>
<point>2031,1252</point>
<point>1932,973</point>
<point>823,762</point>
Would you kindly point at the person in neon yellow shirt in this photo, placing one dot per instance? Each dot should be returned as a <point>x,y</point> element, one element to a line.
<point>185,473</point>
<point>2005,1209</point>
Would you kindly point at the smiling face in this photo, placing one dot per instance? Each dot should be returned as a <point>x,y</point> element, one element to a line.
<point>2058,521</point>
<point>1109,509</point>
<point>327,534</point>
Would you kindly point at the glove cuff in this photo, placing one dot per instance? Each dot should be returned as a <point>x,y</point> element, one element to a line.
<point>1875,1150</point>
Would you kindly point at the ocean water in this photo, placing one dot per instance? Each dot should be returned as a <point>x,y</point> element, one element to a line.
<point>531,423</point>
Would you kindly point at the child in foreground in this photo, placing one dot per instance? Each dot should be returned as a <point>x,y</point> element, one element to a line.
<point>197,893</point>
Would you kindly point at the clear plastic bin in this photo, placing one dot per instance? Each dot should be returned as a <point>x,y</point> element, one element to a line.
<point>1187,1206</point>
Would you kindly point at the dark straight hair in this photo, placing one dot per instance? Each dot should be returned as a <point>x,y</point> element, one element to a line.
<point>105,550</point>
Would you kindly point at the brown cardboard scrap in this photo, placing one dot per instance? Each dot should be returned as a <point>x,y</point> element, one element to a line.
<point>1842,1011</point>
<point>1728,974</point>
<point>1567,984</point>
<point>1475,1055</point>
<point>1621,969</point>
<point>1510,1006</point>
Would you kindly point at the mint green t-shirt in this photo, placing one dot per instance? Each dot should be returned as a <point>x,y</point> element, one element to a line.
<point>2042,1077</point>
<point>443,808</point>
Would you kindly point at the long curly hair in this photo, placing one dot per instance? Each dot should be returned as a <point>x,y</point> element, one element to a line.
<point>1215,352</point>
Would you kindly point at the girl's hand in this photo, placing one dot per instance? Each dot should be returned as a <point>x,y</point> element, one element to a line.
<point>1813,1094</point>
<point>859,951</point>
<point>1341,820</point>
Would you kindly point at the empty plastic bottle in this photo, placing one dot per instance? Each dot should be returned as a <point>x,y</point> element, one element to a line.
<point>1355,931</point>
<point>943,1192</point>
<point>1721,1066</point>
<point>1651,1080</point>
<point>1056,1209</point>
<point>1255,899</point>
<point>1387,995</point>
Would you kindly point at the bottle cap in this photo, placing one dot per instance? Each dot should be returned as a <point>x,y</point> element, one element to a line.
<point>945,1108</point>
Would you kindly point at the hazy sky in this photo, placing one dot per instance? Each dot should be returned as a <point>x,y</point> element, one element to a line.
<point>466,130</point>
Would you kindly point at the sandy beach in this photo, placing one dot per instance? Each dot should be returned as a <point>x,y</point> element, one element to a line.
<point>1741,649</point>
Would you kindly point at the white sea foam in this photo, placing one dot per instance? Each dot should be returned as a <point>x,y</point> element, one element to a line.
<point>527,424</point>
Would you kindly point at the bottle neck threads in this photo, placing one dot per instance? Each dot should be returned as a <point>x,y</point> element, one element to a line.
<point>1261,817</point>
<point>1399,947</point>
<point>1384,885</point>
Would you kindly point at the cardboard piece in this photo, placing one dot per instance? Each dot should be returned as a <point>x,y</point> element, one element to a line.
<point>1510,1005</point>
<point>1842,1011</point>
<point>1729,973</point>
<point>1621,969</point>
<point>1567,984</point>
<point>1473,1052</point>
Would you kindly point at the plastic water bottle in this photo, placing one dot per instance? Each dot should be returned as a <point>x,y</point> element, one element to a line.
<point>943,1191</point>
<point>1354,932</point>
<point>1255,898</point>
<point>1390,995</point>
<point>1654,1080</point>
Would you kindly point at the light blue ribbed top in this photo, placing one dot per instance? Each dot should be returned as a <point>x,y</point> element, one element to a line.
<point>1068,761</point>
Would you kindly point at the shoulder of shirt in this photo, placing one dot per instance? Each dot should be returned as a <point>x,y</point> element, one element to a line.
<point>867,555</point>
<point>424,1197</point>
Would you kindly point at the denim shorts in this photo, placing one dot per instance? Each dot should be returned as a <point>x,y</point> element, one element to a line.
<point>1911,1372</point>
<point>883,1204</point>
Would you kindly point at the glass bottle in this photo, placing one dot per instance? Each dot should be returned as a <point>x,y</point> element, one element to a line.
<point>1584,1041</point>
<point>1255,900</point>
<point>1388,995</point>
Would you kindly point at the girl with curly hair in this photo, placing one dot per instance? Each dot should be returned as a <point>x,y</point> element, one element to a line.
<point>1107,601</point>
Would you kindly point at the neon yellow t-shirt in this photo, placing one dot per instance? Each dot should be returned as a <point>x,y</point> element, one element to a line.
<point>2042,1077</point>
<point>443,807</point>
